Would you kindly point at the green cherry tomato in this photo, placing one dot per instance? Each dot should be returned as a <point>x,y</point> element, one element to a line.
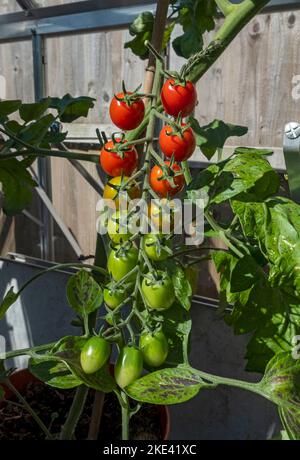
<point>118,227</point>
<point>121,263</point>
<point>154,347</point>
<point>129,366</point>
<point>113,298</point>
<point>158,291</point>
<point>154,246</point>
<point>94,355</point>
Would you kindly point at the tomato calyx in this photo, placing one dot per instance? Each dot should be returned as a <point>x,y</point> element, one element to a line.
<point>169,173</point>
<point>177,128</point>
<point>119,145</point>
<point>128,96</point>
<point>156,278</point>
<point>121,250</point>
<point>175,77</point>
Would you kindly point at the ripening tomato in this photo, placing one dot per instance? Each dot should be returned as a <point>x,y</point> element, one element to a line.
<point>164,187</point>
<point>158,290</point>
<point>120,264</point>
<point>154,347</point>
<point>154,246</point>
<point>181,146</point>
<point>94,354</point>
<point>178,98</point>
<point>129,366</point>
<point>112,187</point>
<point>114,162</point>
<point>118,227</point>
<point>163,215</point>
<point>126,115</point>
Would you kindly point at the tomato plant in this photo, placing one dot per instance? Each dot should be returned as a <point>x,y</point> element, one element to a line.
<point>118,227</point>
<point>121,262</point>
<point>158,290</point>
<point>129,366</point>
<point>94,354</point>
<point>178,98</point>
<point>167,180</point>
<point>116,160</point>
<point>154,346</point>
<point>139,298</point>
<point>181,144</point>
<point>156,246</point>
<point>126,111</point>
<point>113,297</point>
<point>113,189</point>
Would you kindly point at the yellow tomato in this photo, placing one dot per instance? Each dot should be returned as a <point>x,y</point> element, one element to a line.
<point>112,187</point>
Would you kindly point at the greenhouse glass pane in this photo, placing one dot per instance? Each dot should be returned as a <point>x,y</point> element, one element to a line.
<point>56,2</point>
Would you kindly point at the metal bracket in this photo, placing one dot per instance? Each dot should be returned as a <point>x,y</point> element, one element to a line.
<point>291,150</point>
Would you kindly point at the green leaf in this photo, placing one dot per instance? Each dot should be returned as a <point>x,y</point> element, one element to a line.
<point>242,150</point>
<point>35,132</point>
<point>8,107</point>
<point>291,421</point>
<point>182,287</point>
<point>248,177</point>
<point>84,293</point>
<point>281,381</point>
<point>30,112</point>
<point>275,225</point>
<point>141,29</point>
<point>167,386</point>
<point>9,299</point>
<point>245,274</point>
<point>16,185</point>
<point>196,17</point>
<point>177,327</point>
<point>55,374</point>
<point>214,135</point>
<point>71,108</point>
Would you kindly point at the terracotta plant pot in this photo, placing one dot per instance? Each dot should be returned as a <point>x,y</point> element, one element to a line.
<point>20,379</point>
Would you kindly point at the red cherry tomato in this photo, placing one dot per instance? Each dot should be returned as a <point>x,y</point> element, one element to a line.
<point>178,99</point>
<point>162,186</point>
<point>113,163</point>
<point>182,147</point>
<point>126,116</point>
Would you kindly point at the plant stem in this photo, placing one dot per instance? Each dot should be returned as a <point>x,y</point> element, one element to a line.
<point>125,417</point>
<point>222,234</point>
<point>225,6</point>
<point>233,24</point>
<point>29,409</point>
<point>36,152</point>
<point>25,351</point>
<point>67,432</point>
<point>249,386</point>
<point>186,172</point>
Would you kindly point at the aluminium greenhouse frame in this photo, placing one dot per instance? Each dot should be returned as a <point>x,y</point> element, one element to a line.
<point>36,23</point>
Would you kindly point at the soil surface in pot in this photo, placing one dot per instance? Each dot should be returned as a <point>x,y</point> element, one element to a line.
<point>52,406</point>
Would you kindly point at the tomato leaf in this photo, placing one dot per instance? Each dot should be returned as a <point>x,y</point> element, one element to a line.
<point>214,135</point>
<point>17,185</point>
<point>141,29</point>
<point>9,299</point>
<point>182,287</point>
<point>30,112</point>
<point>70,108</point>
<point>281,381</point>
<point>84,293</point>
<point>55,374</point>
<point>196,17</point>
<point>291,421</point>
<point>241,150</point>
<point>8,107</point>
<point>167,386</point>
